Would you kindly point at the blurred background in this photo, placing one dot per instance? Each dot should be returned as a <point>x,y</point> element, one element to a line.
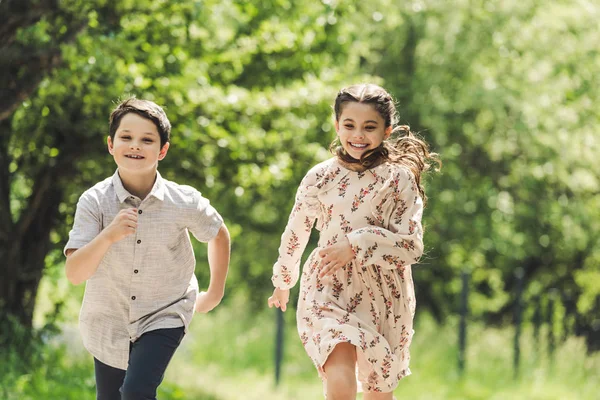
<point>505,91</point>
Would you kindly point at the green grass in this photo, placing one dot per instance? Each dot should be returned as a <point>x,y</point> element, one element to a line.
<point>229,354</point>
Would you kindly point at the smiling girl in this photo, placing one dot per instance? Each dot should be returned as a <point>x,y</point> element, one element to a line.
<point>357,303</point>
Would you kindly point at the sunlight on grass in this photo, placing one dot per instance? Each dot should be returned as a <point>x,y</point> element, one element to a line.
<point>231,355</point>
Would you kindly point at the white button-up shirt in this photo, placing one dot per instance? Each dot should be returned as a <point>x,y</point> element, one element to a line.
<point>145,281</point>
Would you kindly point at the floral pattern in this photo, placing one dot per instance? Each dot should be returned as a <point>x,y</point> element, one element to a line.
<point>370,301</point>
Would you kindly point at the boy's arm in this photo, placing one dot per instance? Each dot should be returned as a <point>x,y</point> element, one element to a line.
<point>218,258</point>
<point>82,263</point>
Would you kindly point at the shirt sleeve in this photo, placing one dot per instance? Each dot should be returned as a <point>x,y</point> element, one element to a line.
<point>401,243</point>
<point>206,221</point>
<point>296,234</point>
<point>87,223</point>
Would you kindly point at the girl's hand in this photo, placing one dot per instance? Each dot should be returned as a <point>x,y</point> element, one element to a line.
<point>279,298</point>
<point>206,301</point>
<point>335,257</point>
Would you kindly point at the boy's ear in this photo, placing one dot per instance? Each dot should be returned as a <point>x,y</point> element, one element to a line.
<point>109,143</point>
<point>163,151</point>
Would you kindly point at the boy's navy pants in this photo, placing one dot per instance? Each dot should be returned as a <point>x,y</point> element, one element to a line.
<point>148,360</point>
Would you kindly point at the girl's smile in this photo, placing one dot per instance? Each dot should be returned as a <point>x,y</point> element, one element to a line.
<point>360,128</point>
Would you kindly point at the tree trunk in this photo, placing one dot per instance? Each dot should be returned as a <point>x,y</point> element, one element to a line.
<point>24,251</point>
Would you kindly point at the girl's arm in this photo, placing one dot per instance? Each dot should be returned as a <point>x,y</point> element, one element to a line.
<point>401,244</point>
<point>219,251</point>
<point>297,232</point>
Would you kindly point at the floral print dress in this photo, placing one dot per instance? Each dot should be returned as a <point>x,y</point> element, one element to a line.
<point>370,302</point>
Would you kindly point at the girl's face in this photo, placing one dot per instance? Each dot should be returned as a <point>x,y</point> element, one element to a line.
<point>360,128</point>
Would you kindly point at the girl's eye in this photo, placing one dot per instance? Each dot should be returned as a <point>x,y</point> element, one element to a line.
<point>348,126</point>
<point>125,137</point>
<point>370,128</point>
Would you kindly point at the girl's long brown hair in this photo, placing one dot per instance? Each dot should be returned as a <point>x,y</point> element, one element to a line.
<point>403,147</point>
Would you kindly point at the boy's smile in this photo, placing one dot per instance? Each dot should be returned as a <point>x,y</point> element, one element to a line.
<point>136,145</point>
<point>360,128</point>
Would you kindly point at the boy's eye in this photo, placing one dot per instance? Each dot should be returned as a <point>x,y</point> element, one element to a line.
<point>148,140</point>
<point>125,137</point>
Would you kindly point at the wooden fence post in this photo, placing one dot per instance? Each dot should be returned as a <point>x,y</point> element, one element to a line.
<point>520,276</point>
<point>550,322</point>
<point>462,329</point>
<point>537,323</point>
<point>278,344</point>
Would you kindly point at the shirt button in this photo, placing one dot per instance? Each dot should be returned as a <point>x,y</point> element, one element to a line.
<point>135,271</point>
<point>139,211</point>
<point>139,241</point>
<point>132,297</point>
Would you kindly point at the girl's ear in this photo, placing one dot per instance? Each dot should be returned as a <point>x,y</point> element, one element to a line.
<point>337,126</point>
<point>388,132</point>
<point>109,144</point>
<point>163,151</point>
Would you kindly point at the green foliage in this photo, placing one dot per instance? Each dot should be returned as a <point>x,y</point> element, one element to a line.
<point>505,93</point>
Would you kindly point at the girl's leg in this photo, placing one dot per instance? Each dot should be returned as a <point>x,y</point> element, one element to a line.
<point>108,381</point>
<point>378,396</point>
<point>148,360</point>
<point>340,369</point>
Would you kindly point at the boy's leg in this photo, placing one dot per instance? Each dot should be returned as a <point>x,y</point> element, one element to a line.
<point>108,381</point>
<point>148,360</point>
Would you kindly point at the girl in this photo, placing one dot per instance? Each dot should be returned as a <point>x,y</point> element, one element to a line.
<point>356,305</point>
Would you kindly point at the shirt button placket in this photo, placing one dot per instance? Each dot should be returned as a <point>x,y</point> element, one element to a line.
<point>136,270</point>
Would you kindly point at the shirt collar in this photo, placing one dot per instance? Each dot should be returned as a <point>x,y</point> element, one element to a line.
<point>158,189</point>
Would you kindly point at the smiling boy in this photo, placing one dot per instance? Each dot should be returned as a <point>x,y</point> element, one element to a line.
<point>130,244</point>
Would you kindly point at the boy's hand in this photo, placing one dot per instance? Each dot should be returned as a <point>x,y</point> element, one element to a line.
<point>124,224</point>
<point>335,257</point>
<point>206,301</point>
<point>279,298</point>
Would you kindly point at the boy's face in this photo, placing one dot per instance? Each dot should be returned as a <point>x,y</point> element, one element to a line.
<point>361,128</point>
<point>136,145</point>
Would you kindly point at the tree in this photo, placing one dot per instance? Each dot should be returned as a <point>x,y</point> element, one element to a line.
<point>232,76</point>
<point>32,37</point>
<point>504,93</point>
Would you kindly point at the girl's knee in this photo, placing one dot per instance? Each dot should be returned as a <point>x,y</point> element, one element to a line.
<point>341,380</point>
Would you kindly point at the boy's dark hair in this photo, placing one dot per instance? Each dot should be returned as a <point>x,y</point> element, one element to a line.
<point>146,109</point>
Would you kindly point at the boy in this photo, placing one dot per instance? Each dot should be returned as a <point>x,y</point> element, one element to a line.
<point>130,243</point>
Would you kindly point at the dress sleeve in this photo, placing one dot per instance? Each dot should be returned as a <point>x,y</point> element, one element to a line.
<point>297,232</point>
<point>399,208</point>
